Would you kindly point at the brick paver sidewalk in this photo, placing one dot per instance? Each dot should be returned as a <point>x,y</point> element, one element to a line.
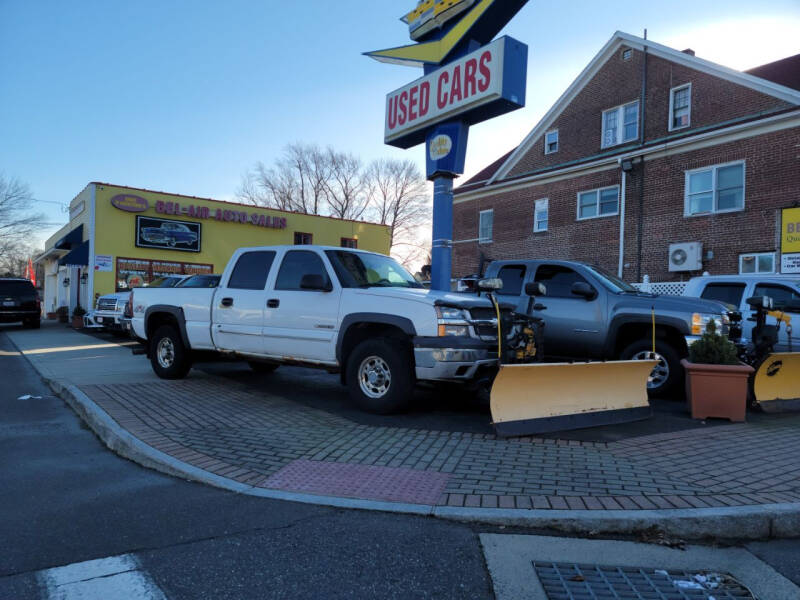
<point>272,442</point>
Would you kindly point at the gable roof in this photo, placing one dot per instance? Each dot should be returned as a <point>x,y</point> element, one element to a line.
<point>482,176</point>
<point>620,38</point>
<point>783,72</point>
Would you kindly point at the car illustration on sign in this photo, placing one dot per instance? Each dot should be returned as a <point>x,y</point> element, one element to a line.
<point>170,234</point>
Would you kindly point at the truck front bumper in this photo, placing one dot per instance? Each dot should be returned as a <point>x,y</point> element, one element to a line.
<point>451,358</point>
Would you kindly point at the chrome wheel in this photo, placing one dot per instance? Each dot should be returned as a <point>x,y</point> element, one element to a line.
<point>659,374</point>
<point>165,352</point>
<point>374,377</point>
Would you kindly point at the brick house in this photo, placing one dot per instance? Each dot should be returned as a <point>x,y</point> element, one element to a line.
<point>649,147</point>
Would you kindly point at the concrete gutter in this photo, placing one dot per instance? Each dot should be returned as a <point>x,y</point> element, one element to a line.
<point>733,523</point>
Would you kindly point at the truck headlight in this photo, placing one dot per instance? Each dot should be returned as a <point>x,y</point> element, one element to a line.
<point>701,320</point>
<point>450,313</point>
<point>453,330</point>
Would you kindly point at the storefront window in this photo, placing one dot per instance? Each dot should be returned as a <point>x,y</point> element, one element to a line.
<point>137,272</point>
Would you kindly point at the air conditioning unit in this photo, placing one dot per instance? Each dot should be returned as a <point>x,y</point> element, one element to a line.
<point>687,256</point>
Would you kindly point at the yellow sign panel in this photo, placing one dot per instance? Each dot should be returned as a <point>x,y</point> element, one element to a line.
<point>790,231</point>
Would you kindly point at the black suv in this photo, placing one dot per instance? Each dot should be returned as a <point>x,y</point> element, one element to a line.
<point>19,301</point>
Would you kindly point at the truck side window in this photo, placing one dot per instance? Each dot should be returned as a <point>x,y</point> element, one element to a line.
<point>297,263</point>
<point>780,294</point>
<point>558,280</point>
<point>729,293</point>
<point>251,271</point>
<point>513,277</point>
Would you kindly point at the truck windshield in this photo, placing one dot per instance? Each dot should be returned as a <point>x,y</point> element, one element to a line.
<point>360,269</point>
<point>612,282</point>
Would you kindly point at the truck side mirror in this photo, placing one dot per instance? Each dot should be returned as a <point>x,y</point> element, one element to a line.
<point>535,288</point>
<point>584,290</point>
<point>315,282</point>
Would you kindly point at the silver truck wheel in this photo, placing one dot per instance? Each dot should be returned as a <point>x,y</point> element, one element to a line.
<point>374,377</point>
<point>659,374</point>
<point>165,353</point>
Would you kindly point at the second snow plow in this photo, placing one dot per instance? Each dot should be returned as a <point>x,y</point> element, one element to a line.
<point>529,396</point>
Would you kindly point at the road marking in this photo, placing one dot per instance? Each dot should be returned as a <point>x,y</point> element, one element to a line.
<point>112,578</point>
<point>69,348</point>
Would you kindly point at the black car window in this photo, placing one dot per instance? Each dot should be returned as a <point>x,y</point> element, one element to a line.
<point>297,263</point>
<point>780,294</point>
<point>558,280</point>
<point>16,288</point>
<point>251,270</point>
<point>729,293</point>
<point>513,277</point>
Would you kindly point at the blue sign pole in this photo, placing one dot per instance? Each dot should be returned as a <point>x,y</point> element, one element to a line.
<point>442,253</point>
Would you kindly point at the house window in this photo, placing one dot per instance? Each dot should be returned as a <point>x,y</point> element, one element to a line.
<point>715,189</point>
<point>551,142</point>
<point>349,243</point>
<point>598,203</point>
<point>485,226</point>
<point>760,262</point>
<point>302,239</point>
<point>621,124</point>
<point>540,215</point>
<point>680,107</point>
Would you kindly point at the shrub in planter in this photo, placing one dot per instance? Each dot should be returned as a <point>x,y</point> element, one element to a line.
<point>77,317</point>
<point>716,381</point>
<point>63,314</point>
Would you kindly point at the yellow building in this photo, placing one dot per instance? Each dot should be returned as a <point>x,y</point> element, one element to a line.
<point>121,237</point>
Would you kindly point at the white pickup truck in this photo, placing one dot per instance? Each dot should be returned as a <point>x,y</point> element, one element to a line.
<point>348,311</point>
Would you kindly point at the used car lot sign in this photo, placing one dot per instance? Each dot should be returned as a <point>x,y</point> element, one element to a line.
<point>485,83</point>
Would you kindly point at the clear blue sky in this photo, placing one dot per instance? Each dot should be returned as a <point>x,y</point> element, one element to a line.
<point>184,96</point>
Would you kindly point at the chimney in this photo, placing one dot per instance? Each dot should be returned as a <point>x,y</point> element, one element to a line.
<point>688,51</point>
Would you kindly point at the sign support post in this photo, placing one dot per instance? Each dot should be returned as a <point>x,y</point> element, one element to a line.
<point>442,252</point>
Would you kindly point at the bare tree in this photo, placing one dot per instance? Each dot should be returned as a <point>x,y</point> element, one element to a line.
<point>346,190</point>
<point>298,181</point>
<point>398,198</point>
<point>18,224</point>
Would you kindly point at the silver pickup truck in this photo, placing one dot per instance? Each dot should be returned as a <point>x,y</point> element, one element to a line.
<point>590,314</point>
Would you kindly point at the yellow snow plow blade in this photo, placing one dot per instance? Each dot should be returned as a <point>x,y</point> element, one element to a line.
<point>776,384</point>
<point>542,397</point>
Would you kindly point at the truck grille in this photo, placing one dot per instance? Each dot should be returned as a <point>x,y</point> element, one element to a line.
<point>107,304</point>
<point>485,330</point>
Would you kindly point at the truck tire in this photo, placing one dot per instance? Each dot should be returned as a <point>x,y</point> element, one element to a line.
<point>262,367</point>
<point>168,356</point>
<point>379,376</point>
<point>668,373</point>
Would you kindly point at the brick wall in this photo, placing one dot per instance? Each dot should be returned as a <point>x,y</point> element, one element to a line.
<point>772,181</point>
<point>618,81</point>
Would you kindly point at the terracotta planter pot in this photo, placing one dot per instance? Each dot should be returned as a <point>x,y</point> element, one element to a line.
<point>717,390</point>
<point>51,316</point>
<point>77,322</point>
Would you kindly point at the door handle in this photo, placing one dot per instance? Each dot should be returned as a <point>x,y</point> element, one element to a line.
<point>227,302</point>
<point>273,303</point>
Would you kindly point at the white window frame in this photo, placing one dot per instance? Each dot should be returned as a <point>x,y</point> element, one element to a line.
<point>620,124</point>
<point>672,92</point>
<point>488,240</point>
<point>547,145</point>
<point>540,205</point>
<point>714,169</point>
<point>598,215</point>
<point>757,255</point>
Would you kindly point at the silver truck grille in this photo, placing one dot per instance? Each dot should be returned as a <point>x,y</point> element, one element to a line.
<point>485,322</point>
<point>107,304</point>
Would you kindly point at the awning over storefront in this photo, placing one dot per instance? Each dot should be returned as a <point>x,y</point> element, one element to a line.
<point>77,257</point>
<point>72,239</point>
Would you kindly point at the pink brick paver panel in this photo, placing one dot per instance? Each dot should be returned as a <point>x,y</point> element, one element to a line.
<point>390,484</point>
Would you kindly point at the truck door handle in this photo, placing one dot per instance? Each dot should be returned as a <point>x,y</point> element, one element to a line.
<point>227,302</point>
<point>273,303</point>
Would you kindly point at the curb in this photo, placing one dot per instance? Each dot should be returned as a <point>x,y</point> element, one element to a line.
<point>731,523</point>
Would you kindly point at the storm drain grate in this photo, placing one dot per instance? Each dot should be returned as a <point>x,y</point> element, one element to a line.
<point>563,581</point>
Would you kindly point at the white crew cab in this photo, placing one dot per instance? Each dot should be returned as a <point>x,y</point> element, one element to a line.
<point>349,311</point>
<point>734,290</point>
